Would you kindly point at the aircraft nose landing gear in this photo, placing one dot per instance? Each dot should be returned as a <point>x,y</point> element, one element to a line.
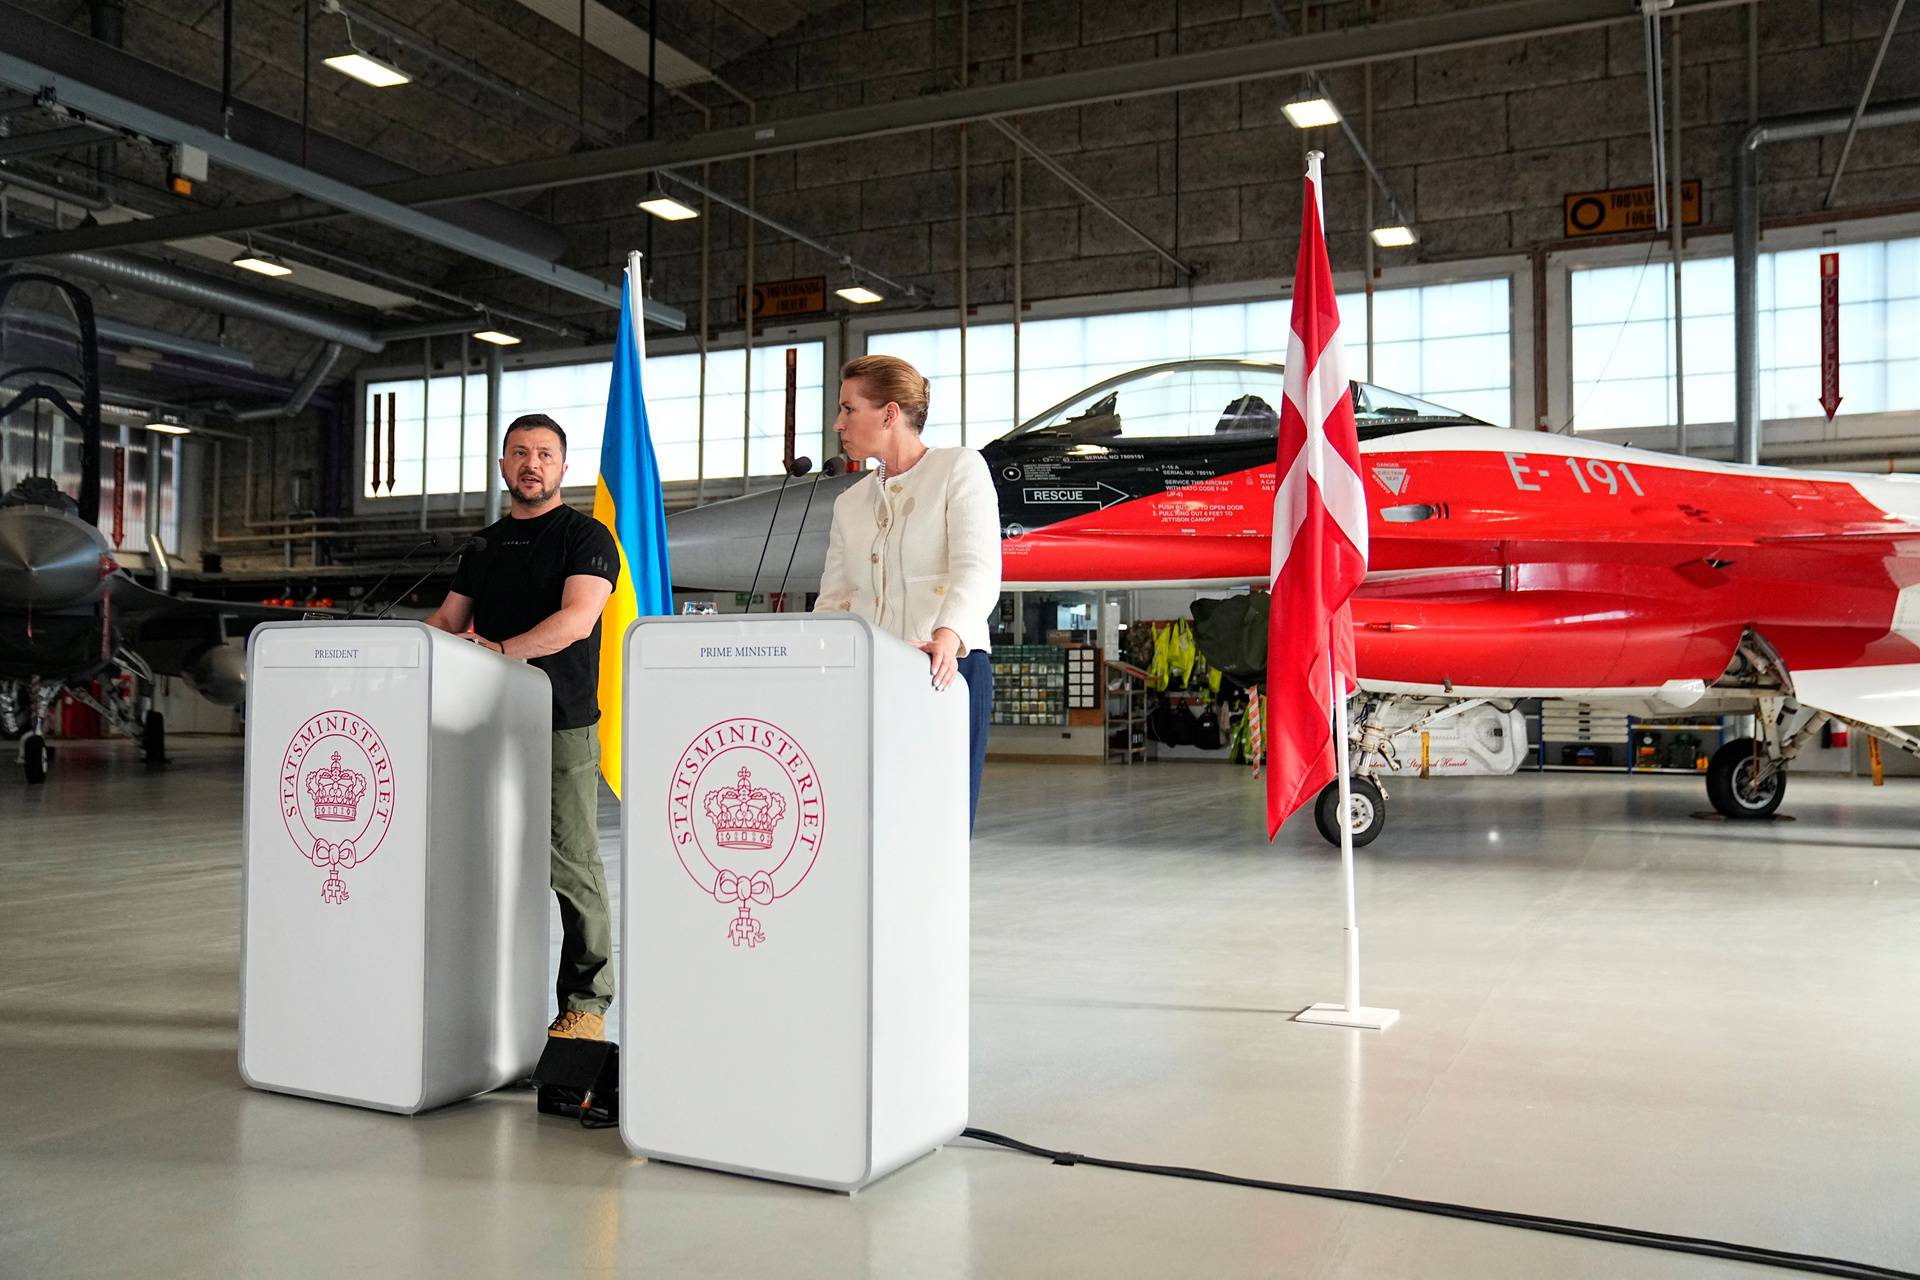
<point>1743,782</point>
<point>34,756</point>
<point>1366,811</point>
<point>31,720</point>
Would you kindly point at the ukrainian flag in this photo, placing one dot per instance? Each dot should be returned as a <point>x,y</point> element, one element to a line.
<point>628,501</point>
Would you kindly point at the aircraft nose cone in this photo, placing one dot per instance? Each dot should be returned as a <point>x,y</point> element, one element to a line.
<point>47,559</point>
<point>16,550</point>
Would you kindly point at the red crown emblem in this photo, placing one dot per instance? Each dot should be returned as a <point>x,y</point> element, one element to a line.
<point>336,792</point>
<point>744,815</point>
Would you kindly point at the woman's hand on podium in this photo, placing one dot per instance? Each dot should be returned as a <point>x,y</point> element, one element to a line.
<point>942,653</point>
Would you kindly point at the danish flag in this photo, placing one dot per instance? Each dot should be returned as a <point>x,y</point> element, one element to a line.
<point>1319,533</point>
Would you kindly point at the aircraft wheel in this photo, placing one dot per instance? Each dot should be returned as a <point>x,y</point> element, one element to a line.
<point>153,738</point>
<point>34,753</point>
<point>1366,811</point>
<point>1732,784</point>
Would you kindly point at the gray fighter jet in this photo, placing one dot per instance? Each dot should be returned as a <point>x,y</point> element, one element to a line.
<point>69,614</point>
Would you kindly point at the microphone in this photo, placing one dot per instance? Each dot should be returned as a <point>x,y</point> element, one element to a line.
<point>833,467</point>
<point>475,543</point>
<point>798,467</point>
<point>416,549</point>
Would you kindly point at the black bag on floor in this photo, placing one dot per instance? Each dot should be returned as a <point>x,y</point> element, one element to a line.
<point>580,1079</point>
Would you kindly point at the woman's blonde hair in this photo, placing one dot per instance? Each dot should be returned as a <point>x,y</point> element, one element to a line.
<point>889,378</point>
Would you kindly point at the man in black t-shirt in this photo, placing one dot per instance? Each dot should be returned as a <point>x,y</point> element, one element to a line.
<point>535,591</point>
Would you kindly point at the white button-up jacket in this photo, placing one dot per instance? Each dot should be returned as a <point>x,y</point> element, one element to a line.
<point>919,551</point>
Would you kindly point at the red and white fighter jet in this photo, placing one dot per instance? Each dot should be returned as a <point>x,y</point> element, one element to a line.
<point>1503,564</point>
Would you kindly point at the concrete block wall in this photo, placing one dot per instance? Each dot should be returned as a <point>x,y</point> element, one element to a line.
<point>1482,145</point>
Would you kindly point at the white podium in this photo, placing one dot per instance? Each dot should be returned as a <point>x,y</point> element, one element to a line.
<point>794,949</point>
<point>394,934</point>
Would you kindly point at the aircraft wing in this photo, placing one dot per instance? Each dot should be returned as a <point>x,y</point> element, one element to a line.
<point>168,631</point>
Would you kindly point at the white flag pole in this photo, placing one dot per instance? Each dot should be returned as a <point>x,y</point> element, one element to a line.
<point>1346,834</point>
<point>1349,1013</point>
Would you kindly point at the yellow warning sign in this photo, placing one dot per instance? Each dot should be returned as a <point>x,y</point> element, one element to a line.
<point>778,299</point>
<point>1625,209</point>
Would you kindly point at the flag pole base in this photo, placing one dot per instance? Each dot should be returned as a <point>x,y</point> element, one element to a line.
<point>1339,1015</point>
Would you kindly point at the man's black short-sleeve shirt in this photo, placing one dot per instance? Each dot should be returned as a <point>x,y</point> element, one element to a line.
<point>516,583</point>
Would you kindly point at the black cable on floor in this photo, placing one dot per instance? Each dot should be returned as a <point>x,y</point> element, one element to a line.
<point>1702,1246</point>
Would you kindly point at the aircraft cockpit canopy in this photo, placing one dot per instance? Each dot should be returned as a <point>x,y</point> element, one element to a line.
<point>1224,399</point>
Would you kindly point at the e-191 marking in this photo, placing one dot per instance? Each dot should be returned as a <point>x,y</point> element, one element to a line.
<point>1587,473</point>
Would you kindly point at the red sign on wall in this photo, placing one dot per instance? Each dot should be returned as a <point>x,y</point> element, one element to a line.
<point>1830,333</point>
<point>119,493</point>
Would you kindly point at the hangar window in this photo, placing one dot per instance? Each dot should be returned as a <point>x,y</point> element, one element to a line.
<point>1622,336</point>
<point>1449,343</point>
<point>575,395</point>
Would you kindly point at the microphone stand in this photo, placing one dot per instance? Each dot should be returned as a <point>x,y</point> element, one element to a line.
<point>831,468</point>
<point>475,543</point>
<point>415,550</point>
<point>798,467</point>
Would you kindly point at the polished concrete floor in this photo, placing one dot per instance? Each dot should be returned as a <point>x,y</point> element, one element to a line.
<point>1611,1010</point>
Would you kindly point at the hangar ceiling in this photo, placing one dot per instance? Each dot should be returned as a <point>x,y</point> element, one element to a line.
<point>463,189</point>
<point>67,161</point>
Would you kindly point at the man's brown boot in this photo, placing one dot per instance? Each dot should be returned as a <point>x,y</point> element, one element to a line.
<point>578,1024</point>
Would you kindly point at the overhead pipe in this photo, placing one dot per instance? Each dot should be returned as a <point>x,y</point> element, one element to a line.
<point>322,365</point>
<point>195,289</point>
<point>158,559</point>
<point>1746,249</point>
<point>1656,106</point>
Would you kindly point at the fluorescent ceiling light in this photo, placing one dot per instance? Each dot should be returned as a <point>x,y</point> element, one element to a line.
<point>1311,113</point>
<point>264,263</point>
<point>170,428</point>
<point>859,293</point>
<point>666,208</point>
<point>1395,237</point>
<point>368,69</point>
<point>497,338</point>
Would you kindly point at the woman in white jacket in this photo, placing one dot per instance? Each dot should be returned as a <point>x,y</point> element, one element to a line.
<point>915,547</point>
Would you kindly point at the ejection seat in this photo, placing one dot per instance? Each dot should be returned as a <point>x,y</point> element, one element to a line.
<point>1248,415</point>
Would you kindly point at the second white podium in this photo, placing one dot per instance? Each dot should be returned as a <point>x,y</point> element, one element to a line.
<point>794,955</point>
